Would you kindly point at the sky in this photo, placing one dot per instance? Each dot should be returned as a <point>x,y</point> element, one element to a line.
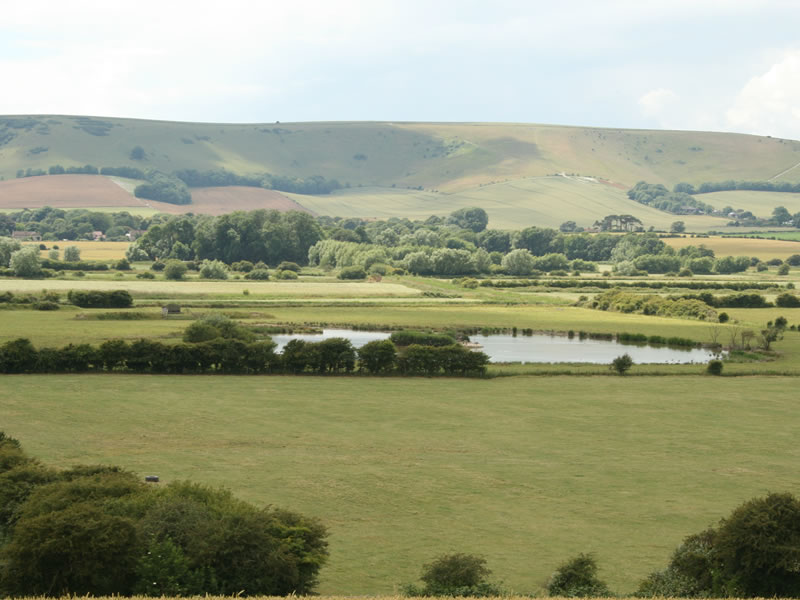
<point>719,65</point>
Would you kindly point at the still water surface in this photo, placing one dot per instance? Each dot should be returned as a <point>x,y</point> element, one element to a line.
<point>539,348</point>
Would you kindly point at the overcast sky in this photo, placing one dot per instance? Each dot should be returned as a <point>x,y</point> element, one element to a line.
<point>731,65</point>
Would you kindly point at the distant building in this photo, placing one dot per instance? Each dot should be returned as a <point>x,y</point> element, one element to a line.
<point>170,309</point>
<point>98,235</point>
<point>134,234</point>
<point>27,236</point>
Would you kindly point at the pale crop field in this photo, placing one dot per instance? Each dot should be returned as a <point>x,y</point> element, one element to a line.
<point>201,288</point>
<point>525,471</point>
<point>101,251</point>
<point>760,204</point>
<point>511,204</point>
<point>730,246</point>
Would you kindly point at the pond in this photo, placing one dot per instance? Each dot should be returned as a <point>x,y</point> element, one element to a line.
<point>539,348</point>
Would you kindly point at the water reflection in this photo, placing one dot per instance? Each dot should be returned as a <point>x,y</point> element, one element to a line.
<point>538,348</point>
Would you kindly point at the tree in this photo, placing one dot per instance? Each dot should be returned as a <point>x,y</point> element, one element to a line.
<point>519,262</point>
<point>780,215</point>
<point>174,270</point>
<point>72,254</point>
<point>758,548</point>
<point>577,577</point>
<point>472,218</point>
<point>7,247</point>
<point>568,226</point>
<point>455,575</point>
<point>677,227</point>
<point>214,269</point>
<point>377,356</point>
<point>752,553</point>
<point>137,153</point>
<point>25,262</point>
<point>622,364</point>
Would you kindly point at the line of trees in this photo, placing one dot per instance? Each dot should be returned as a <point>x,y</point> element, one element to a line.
<point>241,356</point>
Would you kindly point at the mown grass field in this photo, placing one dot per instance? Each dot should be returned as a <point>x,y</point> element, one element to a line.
<point>526,471</point>
<point>792,236</point>
<point>761,248</point>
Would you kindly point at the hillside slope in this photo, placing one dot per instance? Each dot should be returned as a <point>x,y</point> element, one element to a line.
<point>444,156</point>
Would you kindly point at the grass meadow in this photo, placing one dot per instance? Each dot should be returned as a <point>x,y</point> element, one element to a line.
<point>525,471</point>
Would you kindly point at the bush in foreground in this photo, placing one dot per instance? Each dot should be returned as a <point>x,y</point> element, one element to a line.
<point>755,552</point>
<point>577,578</point>
<point>455,575</point>
<point>101,531</point>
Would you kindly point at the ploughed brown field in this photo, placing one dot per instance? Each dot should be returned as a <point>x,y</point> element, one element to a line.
<point>64,191</point>
<point>93,191</point>
<point>221,200</point>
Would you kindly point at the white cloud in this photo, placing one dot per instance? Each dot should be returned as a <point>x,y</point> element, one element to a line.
<point>769,104</point>
<point>656,103</point>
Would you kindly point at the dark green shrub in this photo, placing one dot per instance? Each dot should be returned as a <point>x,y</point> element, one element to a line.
<point>377,356</point>
<point>577,578</point>
<point>622,364</point>
<point>46,305</point>
<point>100,299</point>
<point>258,275</point>
<point>242,266</point>
<point>288,266</point>
<point>123,265</point>
<point>286,275</point>
<point>145,275</point>
<point>158,266</point>
<point>758,548</point>
<point>783,269</point>
<point>714,367</point>
<point>723,317</point>
<point>787,300</point>
<point>175,270</point>
<point>455,575</point>
<point>354,272</point>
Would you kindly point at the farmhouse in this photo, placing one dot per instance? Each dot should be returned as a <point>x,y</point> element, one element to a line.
<point>30,236</point>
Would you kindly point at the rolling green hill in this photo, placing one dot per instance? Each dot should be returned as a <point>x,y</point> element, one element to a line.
<point>419,169</point>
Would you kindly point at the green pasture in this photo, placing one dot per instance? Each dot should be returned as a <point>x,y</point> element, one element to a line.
<point>525,471</point>
<point>760,204</point>
<point>543,201</point>
<point>791,236</point>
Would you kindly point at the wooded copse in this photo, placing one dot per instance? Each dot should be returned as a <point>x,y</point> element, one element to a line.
<point>436,246</point>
